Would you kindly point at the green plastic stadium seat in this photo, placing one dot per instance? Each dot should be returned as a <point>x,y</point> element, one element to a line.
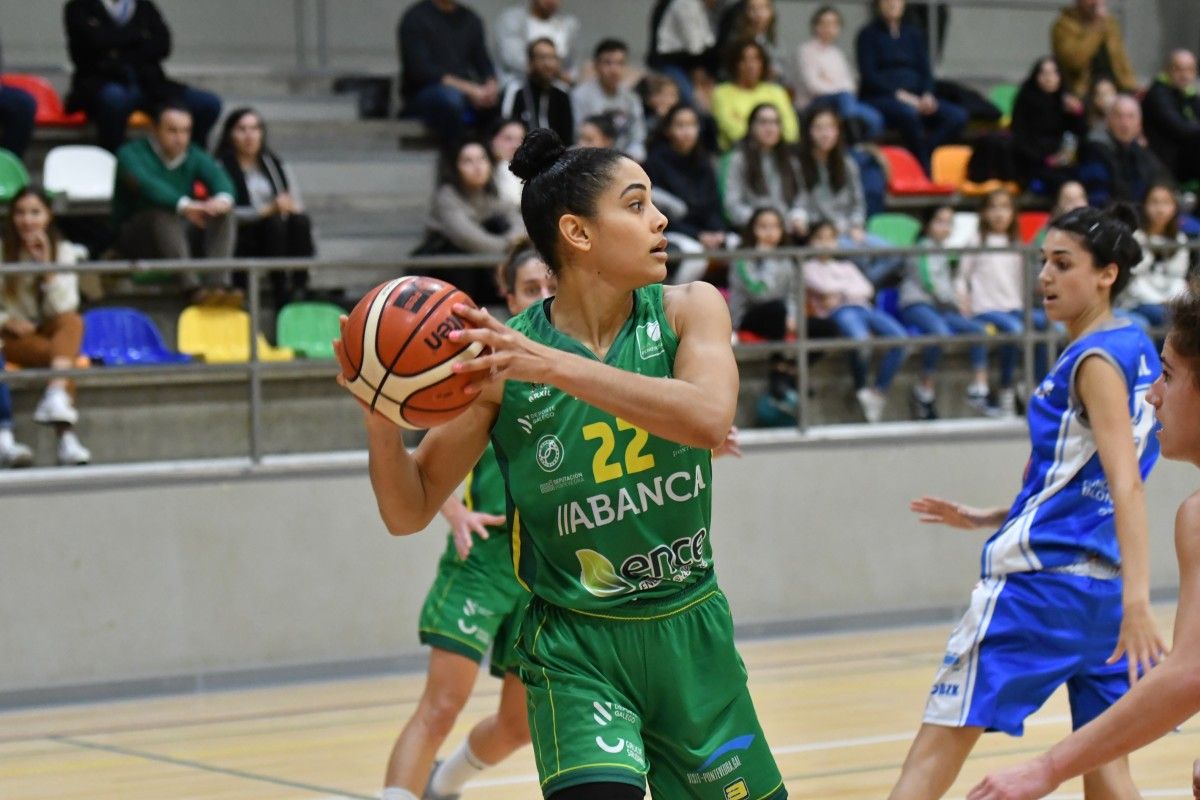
<point>309,328</point>
<point>899,229</point>
<point>1004,97</point>
<point>13,176</point>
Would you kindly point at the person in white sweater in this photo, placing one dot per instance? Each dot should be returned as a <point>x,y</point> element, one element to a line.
<point>1162,274</point>
<point>607,93</point>
<point>521,24</point>
<point>826,77</point>
<point>991,288</point>
<point>40,325</point>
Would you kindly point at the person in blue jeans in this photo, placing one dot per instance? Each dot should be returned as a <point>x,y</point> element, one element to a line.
<point>117,49</point>
<point>12,452</point>
<point>825,75</point>
<point>896,78</point>
<point>928,303</point>
<point>839,291</point>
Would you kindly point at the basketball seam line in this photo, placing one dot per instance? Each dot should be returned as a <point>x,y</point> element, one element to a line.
<point>407,341</point>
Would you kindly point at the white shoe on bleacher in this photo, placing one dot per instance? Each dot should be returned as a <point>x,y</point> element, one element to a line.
<point>56,407</point>
<point>71,452</point>
<point>13,453</point>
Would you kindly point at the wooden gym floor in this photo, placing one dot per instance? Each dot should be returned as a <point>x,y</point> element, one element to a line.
<point>839,711</point>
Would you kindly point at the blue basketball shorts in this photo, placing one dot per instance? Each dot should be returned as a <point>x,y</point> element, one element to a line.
<point>1024,635</point>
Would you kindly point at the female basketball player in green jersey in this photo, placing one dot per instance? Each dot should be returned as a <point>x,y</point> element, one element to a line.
<point>475,603</point>
<point>603,404</point>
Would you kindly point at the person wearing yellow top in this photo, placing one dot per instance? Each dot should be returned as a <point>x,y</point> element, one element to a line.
<point>733,100</point>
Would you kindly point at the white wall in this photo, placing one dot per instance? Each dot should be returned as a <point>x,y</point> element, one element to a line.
<point>121,584</point>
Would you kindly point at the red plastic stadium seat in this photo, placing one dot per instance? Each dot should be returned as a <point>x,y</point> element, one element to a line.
<point>50,111</point>
<point>906,176</point>
<point>1031,223</point>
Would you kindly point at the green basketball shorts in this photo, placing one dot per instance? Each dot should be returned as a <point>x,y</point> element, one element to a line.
<point>655,692</point>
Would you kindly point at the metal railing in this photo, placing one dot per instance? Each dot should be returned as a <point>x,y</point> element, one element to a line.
<point>255,371</point>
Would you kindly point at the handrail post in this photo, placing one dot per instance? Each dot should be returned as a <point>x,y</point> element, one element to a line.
<point>803,416</point>
<point>322,34</point>
<point>300,23</point>
<point>255,369</point>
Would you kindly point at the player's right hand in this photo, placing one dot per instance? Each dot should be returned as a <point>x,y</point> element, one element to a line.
<point>472,522</point>
<point>1196,779</point>
<point>1026,781</point>
<point>935,511</point>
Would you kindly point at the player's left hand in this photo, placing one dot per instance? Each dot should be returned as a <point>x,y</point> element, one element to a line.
<point>1027,781</point>
<point>468,523</point>
<point>1139,640</point>
<point>1196,779</point>
<point>513,355</point>
<point>730,447</point>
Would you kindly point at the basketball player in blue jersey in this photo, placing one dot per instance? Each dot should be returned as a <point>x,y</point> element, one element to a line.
<point>1171,693</point>
<point>1064,596</point>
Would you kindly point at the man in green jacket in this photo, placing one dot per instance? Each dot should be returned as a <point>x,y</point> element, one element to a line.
<point>168,191</point>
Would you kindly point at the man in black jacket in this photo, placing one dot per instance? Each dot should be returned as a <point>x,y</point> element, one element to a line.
<point>541,101</point>
<point>1118,167</point>
<point>117,47</point>
<point>1171,110</point>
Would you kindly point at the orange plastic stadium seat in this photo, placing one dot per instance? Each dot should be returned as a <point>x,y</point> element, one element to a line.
<point>906,176</point>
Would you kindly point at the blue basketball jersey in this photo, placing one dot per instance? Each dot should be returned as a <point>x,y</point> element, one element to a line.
<point>1064,513</point>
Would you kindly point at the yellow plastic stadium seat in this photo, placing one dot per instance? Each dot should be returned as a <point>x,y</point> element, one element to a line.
<point>222,336</point>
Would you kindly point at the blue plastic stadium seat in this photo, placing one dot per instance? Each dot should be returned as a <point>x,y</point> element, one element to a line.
<point>125,337</point>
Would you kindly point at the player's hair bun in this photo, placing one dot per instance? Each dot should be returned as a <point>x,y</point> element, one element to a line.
<point>1124,214</point>
<point>537,153</point>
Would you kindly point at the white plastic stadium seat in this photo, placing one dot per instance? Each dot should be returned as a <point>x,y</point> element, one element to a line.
<point>964,228</point>
<point>82,172</point>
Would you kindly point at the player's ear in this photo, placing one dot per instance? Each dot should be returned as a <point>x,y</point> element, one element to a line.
<point>575,233</point>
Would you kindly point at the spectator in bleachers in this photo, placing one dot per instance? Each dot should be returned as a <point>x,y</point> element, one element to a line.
<point>825,76</point>
<point>1071,195</point>
<point>598,130</point>
<point>685,189</point>
<point>991,288</point>
<point>17,112</point>
<point>660,94</point>
<point>12,452</point>
<point>839,291</point>
<point>833,190</point>
<point>754,20</point>
<point>1087,44</point>
<point>522,24</point>
<point>607,93</point>
<point>761,171</point>
<point>541,101</point>
<point>117,48</point>
<point>928,302</point>
<point>1119,166</point>
<point>683,46</point>
<point>1047,129</point>
<point>506,136</point>
<point>271,222</point>
<point>1162,274</point>
<point>40,325</point>
<point>733,100</point>
<point>446,76</point>
<point>1100,98</point>
<point>169,191</point>
<point>897,80</point>
<point>1171,109</point>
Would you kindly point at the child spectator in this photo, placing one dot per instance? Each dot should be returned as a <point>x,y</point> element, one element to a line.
<point>268,205</point>
<point>660,94</point>
<point>679,166</point>
<point>754,21</point>
<point>839,291</point>
<point>825,76</point>
<point>991,288</point>
<point>1162,274</point>
<point>117,48</point>
<point>167,190</point>
<point>607,94</point>
<point>598,131</point>
<point>929,303</point>
<point>832,188</point>
<point>761,171</point>
<point>1071,195</point>
<point>40,325</point>
<point>504,139</point>
<point>682,44</point>
<point>12,452</point>
<point>541,101</point>
<point>1100,97</point>
<point>1047,129</point>
<point>519,25</point>
<point>748,88</point>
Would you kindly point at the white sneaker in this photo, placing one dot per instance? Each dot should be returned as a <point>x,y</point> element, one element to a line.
<point>12,452</point>
<point>56,408</point>
<point>1007,402</point>
<point>872,402</point>
<point>71,452</point>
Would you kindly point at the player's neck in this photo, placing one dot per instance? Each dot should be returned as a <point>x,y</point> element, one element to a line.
<point>1088,321</point>
<point>593,314</point>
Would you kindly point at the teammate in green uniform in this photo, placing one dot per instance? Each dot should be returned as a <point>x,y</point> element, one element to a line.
<point>475,602</point>
<point>603,404</point>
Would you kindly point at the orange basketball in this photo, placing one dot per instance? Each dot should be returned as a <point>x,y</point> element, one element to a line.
<point>400,355</point>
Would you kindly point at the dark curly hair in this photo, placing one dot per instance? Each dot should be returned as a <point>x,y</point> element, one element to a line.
<point>1108,236</point>
<point>558,181</point>
<point>1184,313</point>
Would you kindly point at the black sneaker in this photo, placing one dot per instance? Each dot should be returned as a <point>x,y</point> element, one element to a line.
<point>923,409</point>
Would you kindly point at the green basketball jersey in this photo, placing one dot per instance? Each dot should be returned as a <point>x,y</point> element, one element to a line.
<point>484,493</point>
<point>602,512</point>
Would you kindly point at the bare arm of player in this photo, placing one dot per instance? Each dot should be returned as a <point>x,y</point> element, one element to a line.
<point>695,407</point>
<point>936,511</point>
<point>1105,397</point>
<point>1164,699</point>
